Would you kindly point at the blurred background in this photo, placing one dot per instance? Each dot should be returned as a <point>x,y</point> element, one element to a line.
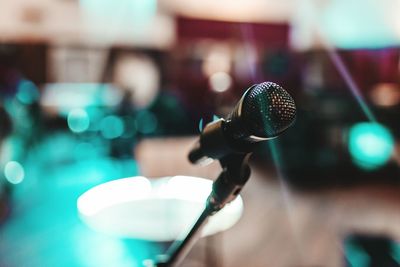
<point>96,90</point>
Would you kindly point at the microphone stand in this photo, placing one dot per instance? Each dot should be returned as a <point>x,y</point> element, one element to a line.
<point>235,173</point>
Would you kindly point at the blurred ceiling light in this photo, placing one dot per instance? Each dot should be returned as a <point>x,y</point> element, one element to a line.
<point>139,75</point>
<point>218,59</point>
<point>127,22</point>
<point>349,27</point>
<point>228,10</point>
<point>346,24</point>
<point>385,94</point>
<point>87,22</point>
<point>137,12</point>
<point>220,82</point>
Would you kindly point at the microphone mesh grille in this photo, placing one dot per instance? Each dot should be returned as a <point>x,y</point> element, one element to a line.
<point>268,110</point>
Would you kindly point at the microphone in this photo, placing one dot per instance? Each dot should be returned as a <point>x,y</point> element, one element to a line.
<point>264,112</point>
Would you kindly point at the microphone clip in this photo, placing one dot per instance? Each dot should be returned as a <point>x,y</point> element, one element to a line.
<point>235,173</point>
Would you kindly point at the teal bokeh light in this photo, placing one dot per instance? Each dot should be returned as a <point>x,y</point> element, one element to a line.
<point>370,145</point>
<point>14,172</point>
<point>78,120</point>
<point>146,122</point>
<point>27,92</point>
<point>112,127</point>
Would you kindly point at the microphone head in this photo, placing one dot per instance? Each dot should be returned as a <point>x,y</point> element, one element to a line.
<point>265,110</point>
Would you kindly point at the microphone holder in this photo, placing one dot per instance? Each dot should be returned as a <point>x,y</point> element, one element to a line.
<point>235,173</point>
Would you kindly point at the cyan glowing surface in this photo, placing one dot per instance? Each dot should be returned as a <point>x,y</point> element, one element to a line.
<point>44,217</point>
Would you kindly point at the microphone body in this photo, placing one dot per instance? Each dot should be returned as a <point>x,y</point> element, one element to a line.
<point>264,111</point>
<point>215,142</point>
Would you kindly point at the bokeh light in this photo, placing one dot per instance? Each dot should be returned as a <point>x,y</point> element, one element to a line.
<point>78,120</point>
<point>220,82</point>
<point>112,127</point>
<point>218,59</point>
<point>130,127</point>
<point>140,78</point>
<point>27,92</point>
<point>14,172</point>
<point>385,94</point>
<point>146,122</point>
<point>370,145</point>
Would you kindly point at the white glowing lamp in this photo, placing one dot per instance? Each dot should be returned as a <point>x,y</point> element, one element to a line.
<point>159,209</point>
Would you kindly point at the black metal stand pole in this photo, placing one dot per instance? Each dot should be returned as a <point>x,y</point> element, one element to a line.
<point>226,188</point>
<point>179,249</point>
